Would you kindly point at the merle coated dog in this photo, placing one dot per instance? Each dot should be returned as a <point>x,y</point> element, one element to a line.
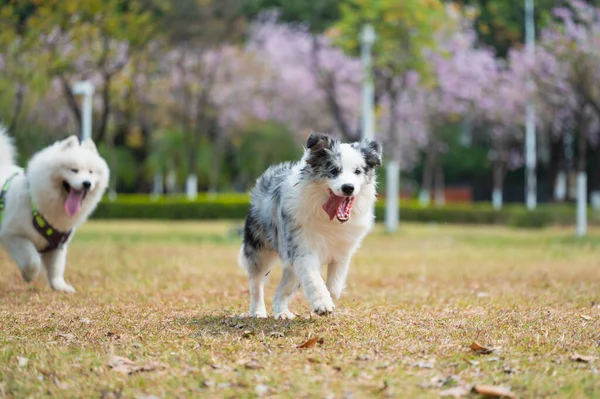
<point>309,213</point>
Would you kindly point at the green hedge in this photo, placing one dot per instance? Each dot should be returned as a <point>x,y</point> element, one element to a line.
<point>235,206</point>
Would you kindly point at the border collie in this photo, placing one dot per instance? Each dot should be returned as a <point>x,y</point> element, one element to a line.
<point>293,207</point>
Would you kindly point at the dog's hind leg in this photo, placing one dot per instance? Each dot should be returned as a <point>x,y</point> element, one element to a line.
<point>54,262</point>
<point>25,255</point>
<point>258,265</point>
<point>287,287</point>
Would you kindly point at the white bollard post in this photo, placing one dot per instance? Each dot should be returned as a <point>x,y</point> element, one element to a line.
<point>392,196</point>
<point>581,204</point>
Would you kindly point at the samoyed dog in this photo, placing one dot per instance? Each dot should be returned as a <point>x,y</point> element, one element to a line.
<point>41,206</point>
<point>309,213</point>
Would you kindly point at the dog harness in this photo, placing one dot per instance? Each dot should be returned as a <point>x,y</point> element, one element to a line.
<point>56,239</point>
<point>3,195</point>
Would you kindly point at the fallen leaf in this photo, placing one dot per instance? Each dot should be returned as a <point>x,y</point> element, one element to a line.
<point>253,365</point>
<point>85,320</point>
<point>126,366</point>
<point>276,334</point>
<point>422,365</point>
<point>208,383</point>
<point>188,370</point>
<point>582,358</point>
<point>585,317</point>
<point>480,349</point>
<point>112,335</point>
<point>52,377</point>
<point>247,334</point>
<point>67,336</point>
<point>438,382</point>
<point>22,361</point>
<point>493,391</point>
<point>456,392</point>
<point>310,343</point>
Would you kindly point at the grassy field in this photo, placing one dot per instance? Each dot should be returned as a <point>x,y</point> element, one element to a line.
<point>160,303</point>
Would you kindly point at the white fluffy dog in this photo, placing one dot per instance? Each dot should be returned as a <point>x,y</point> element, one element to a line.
<point>41,206</point>
<point>292,214</point>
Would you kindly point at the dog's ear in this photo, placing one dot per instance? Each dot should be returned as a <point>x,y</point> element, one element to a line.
<point>372,151</point>
<point>318,141</point>
<point>70,142</point>
<point>89,145</point>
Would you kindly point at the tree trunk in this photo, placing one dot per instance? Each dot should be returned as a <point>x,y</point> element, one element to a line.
<point>555,166</point>
<point>216,161</point>
<point>105,108</point>
<point>17,108</point>
<point>440,198</point>
<point>328,83</point>
<point>71,99</point>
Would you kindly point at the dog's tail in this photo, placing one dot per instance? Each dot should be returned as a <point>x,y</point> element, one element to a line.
<point>7,148</point>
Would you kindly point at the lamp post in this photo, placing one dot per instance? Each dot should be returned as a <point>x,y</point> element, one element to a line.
<point>530,145</point>
<point>367,39</point>
<point>85,89</point>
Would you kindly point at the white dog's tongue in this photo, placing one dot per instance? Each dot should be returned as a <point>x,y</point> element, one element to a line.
<point>73,202</point>
<point>332,205</point>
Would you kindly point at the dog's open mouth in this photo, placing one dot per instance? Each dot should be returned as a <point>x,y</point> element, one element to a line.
<point>74,199</point>
<point>339,207</point>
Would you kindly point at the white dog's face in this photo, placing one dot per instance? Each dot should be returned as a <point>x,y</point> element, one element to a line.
<point>345,168</point>
<point>79,172</point>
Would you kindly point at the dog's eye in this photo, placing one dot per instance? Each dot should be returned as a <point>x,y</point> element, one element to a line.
<point>357,172</point>
<point>334,172</point>
<point>75,170</point>
<point>91,172</point>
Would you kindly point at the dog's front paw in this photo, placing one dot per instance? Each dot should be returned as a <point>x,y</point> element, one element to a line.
<point>285,315</point>
<point>62,286</point>
<point>259,314</point>
<point>323,306</point>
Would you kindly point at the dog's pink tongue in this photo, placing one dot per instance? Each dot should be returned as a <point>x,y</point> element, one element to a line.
<point>73,202</point>
<point>332,204</point>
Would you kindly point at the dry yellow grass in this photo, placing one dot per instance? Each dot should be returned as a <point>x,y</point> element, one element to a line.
<point>166,296</point>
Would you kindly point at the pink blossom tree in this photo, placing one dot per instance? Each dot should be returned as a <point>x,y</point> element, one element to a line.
<point>567,73</point>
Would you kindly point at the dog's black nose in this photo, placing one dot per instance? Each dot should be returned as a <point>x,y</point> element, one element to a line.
<point>348,189</point>
<point>86,184</point>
